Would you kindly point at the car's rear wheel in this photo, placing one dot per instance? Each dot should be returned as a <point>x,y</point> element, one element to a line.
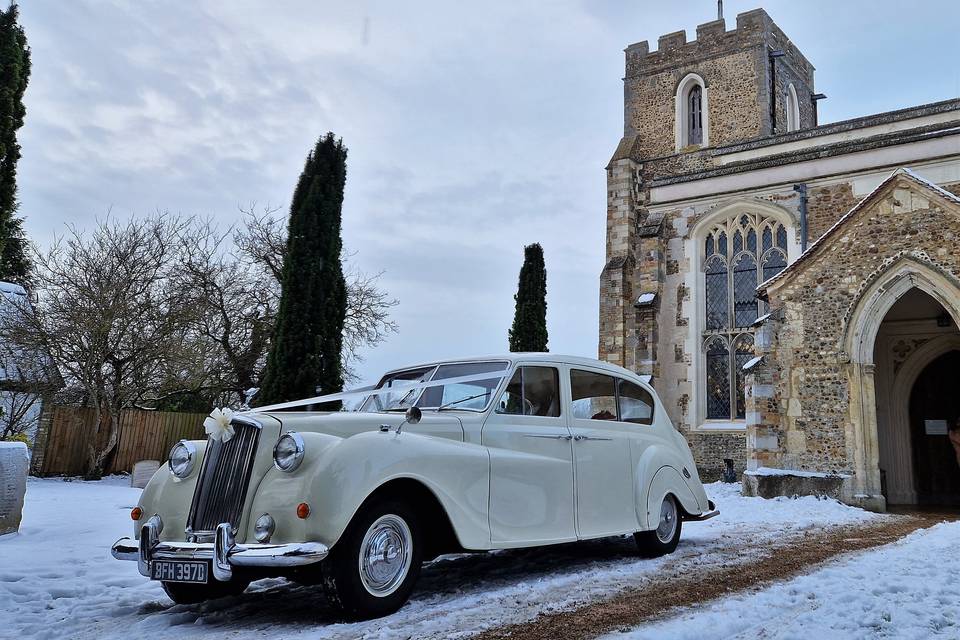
<point>665,538</point>
<point>371,571</point>
<point>185,593</point>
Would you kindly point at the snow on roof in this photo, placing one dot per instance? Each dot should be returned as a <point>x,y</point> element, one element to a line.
<point>750,364</point>
<point>759,321</point>
<point>902,171</point>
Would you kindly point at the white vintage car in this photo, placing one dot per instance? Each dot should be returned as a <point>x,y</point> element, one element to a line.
<point>508,451</point>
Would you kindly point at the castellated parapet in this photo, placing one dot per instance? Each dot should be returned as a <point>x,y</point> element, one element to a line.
<point>738,76</point>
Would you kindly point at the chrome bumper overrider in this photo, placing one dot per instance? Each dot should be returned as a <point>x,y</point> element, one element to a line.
<point>713,512</point>
<point>224,552</point>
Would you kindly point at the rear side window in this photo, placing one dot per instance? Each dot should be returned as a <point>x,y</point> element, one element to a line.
<point>635,402</point>
<point>594,395</point>
<point>533,391</point>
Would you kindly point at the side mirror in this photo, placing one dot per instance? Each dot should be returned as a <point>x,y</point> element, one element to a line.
<point>413,415</point>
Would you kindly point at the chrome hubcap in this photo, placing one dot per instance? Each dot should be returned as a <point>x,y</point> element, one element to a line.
<point>385,555</point>
<point>668,520</point>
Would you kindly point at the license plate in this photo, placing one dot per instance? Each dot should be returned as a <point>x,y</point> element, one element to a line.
<point>179,571</point>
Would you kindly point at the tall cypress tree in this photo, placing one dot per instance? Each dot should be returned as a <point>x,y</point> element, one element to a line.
<point>14,74</point>
<point>308,337</point>
<point>529,330</point>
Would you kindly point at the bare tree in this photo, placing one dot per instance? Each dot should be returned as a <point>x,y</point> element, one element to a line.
<point>111,318</point>
<point>262,239</point>
<point>19,414</point>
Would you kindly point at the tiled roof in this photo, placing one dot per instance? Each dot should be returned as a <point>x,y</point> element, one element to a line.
<point>903,171</point>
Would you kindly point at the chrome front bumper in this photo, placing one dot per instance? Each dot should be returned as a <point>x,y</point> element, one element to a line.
<point>224,553</point>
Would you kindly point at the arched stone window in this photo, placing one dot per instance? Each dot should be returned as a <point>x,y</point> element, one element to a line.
<point>793,109</point>
<point>738,254</point>
<point>692,126</point>
<point>695,115</point>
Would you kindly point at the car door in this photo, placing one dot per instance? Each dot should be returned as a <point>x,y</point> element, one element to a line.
<point>531,461</point>
<point>603,460</point>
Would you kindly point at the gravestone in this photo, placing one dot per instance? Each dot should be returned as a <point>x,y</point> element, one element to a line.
<point>13,484</point>
<point>142,472</point>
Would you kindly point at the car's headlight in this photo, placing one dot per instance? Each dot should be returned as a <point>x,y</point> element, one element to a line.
<point>182,457</point>
<point>288,453</point>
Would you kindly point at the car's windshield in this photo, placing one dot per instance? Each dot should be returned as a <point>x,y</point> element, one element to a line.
<point>472,395</point>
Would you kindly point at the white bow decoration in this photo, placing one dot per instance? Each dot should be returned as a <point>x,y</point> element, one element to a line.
<point>217,425</point>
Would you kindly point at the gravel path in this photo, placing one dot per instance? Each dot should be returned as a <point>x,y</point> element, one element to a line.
<point>678,589</point>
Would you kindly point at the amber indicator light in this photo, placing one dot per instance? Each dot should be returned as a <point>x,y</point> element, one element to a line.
<point>135,513</point>
<point>303,510</point>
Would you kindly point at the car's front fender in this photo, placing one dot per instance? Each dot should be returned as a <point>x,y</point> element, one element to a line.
<point>338,474</point>
<point>171,497</point>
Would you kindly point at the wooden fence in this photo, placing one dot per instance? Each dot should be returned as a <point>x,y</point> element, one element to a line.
<point>144,435</point>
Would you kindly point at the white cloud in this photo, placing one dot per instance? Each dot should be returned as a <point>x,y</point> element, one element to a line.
<point>473,129</point>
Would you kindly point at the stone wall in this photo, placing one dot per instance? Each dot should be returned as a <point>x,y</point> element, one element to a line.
<point>825,205</point>
<point>820,427</point>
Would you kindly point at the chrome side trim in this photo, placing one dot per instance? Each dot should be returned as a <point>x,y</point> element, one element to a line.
<point>548,437</point>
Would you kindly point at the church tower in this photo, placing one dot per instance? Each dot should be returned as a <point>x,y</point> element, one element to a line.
<point>682,103</point>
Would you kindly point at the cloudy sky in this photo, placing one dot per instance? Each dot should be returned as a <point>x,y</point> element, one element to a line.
<point>473,128</point>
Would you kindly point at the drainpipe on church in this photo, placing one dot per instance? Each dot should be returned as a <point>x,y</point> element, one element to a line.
<point>802,190</point>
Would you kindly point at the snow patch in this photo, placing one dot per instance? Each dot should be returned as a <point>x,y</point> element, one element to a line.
<point>908,589</point>
<point>58,579</point>
<point>770,471</point>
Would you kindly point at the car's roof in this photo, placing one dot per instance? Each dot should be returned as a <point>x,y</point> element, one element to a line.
<point>532,356</point>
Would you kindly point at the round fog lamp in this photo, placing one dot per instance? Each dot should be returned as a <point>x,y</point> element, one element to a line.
<point>288,453</point>
<point>263,529</point>
<point>182,456</point>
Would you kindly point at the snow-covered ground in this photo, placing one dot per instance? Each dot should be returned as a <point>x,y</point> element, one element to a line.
<point>58,580</point>
<point>908,589</point>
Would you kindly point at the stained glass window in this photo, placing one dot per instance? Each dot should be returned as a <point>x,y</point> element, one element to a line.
<point>744,291</point>
<point>733,266</point>
<point>773,263</point>
<point>718,379</point>
<point>715,282</point>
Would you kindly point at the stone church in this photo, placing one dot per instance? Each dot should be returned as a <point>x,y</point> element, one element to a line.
<point>792,288</point>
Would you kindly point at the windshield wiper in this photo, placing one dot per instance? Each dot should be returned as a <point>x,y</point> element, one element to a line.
<point>473,397</point>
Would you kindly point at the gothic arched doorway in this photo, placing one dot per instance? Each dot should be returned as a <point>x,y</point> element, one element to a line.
<point>917,378</point>
<point>934,405</point>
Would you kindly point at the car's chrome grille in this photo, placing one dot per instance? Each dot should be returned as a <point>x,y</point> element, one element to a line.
<point>222,486</point>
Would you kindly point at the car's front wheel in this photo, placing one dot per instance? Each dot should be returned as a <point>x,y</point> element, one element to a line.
<point>372,569</point>
<point>185,593</point>
<point>665,538</point>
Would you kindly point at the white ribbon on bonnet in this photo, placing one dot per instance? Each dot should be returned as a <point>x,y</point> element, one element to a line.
<point>218,427</point>
<point>217,424</point>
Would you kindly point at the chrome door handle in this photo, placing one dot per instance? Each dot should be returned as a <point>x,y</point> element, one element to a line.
<point>548,437</point>
<point>578,438</point>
